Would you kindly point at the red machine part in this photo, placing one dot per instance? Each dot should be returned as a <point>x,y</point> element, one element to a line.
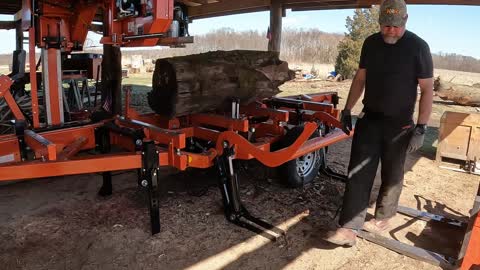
<point>471,259</point>
<point>144,29</point>
<point>5,83</point>
<point>64,24</point>
<point>61,144</point>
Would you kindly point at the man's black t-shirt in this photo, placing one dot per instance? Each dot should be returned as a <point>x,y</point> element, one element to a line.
<point>393,71</point>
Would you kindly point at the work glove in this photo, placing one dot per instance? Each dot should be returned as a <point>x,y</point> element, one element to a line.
<point>417,139</point>
<point>346,119</point>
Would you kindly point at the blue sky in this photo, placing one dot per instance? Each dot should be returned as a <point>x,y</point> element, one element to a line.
<point>450,29</point>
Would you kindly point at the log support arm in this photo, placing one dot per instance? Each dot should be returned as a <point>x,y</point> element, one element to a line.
<point>234,210</point>
<point>149,179</point>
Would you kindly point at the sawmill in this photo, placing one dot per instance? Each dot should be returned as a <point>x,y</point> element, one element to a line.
<point>209,109</point>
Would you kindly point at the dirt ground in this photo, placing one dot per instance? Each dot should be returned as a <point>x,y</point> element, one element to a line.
<point>61,223</point>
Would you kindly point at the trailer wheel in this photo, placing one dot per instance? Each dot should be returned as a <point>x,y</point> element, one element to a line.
<point>302,170</point>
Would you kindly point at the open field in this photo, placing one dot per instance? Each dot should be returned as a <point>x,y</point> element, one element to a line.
<point>60,223</point>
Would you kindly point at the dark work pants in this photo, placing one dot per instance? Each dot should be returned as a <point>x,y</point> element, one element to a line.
<point>376,139</point>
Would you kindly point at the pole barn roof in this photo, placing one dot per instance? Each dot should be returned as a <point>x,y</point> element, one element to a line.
<point>211,8</point>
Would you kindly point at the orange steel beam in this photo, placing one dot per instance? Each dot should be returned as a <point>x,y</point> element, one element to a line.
<point>72,149</point>
<point>273,159</point>
<point>123,141</point>
<point>263,146</point>
<point>163,136</point>
<point>328,119</point>
<point>82,20</point>
<point>12,104</point>
<point>310,146</point>
<point>472,255</point>
<point>220,121</point>
<point>41,146</point>
<point>206,133</point>
<point>9,149</point>
<point>320,142</point>
<point>203,161</point>
<point>268,158</point>
<point>65,136</point>
<point>104,163</point>
<point>321,116</point>
<point>5,83</point>
<point>264,129</point>
<point>178,159</point>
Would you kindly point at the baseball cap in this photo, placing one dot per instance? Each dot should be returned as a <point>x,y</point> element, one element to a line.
<point>393,13</point>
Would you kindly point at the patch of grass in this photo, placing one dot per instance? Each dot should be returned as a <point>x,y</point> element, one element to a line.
<point>139,79</point>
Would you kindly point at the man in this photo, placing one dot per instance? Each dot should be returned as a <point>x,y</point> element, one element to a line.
<point>393,63</point>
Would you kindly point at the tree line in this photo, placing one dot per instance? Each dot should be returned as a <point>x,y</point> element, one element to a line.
<point>298,45</point>
<point>455,61</point>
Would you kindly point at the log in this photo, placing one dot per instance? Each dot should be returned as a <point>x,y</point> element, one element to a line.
<point>208,81</point>
<point>458,93</point>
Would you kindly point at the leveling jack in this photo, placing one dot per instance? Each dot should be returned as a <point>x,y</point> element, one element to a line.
<point>147,178</point>
<point>234,210</point>
<point>103,137</point>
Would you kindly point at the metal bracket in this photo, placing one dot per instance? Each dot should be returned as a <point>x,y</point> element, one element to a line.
<point>149,179</point>
<point>103,139</point>
<point>19,126</point>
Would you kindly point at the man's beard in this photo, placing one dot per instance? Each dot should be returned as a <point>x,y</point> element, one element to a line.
<point>390,40</point>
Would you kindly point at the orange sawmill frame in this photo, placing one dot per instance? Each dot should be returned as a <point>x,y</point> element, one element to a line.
<point>146,142</point>
<point>149,141</point>
<point>54,149</point>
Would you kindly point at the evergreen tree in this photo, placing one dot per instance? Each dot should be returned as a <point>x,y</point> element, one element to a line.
<point>363,24</point>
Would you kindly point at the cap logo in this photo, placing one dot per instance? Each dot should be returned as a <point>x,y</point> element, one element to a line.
<point>392,11</point>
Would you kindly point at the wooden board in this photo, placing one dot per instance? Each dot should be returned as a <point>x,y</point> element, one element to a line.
<point>459,136</point>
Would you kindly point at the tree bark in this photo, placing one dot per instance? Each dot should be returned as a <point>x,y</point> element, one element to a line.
<point>208,81</point>
<point>458,93</point>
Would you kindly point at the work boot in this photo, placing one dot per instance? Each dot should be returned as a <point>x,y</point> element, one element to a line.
<point>342,237</point>
<point>377,226</point>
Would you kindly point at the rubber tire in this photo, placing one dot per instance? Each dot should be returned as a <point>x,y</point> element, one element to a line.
<point>288,171</point>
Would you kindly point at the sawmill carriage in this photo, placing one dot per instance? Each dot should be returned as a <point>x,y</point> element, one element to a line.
<point>291,133</point>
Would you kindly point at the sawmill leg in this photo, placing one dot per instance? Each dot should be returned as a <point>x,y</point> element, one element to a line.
<point>149,180</point>
<point>234,210</point>
<point>20,126</point>
<point>103,137</point>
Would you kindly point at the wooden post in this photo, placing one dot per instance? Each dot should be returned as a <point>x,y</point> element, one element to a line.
<point>111,73</point>
<point>276,13</point>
